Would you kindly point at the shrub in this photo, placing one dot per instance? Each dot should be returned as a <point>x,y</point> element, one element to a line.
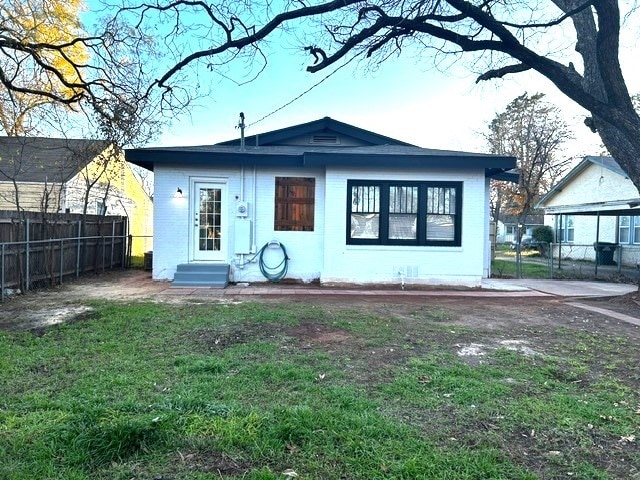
<point>542,233</point>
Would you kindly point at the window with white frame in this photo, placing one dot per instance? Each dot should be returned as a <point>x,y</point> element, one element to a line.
<point>404,213</point>
<point>629,229</point>
<point>565,228</point>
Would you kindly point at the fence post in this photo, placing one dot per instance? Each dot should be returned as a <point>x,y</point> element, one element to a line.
<point>61,259</point>
<point>104,251</point>
<point>113,239</point>
<point>78,249</point>
<point>27,279</point>
<point>550,259</point>
<point>2,277</point>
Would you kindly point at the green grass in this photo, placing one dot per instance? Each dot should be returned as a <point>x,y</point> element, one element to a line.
<point>242,391</point>
<point>507,268</point>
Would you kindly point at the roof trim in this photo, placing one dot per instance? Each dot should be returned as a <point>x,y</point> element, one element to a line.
<point>147,158</point>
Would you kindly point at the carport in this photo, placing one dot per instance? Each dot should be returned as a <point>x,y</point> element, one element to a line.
<point>597,210</point>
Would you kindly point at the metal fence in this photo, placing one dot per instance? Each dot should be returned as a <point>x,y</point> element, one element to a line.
<point>571,261</point>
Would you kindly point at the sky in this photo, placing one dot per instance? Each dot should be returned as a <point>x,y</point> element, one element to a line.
<point>405,98</point>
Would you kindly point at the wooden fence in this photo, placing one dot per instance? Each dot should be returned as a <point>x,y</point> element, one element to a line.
<point>37,250</point>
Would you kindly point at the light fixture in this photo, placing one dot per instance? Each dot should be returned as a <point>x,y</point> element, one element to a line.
<point>178,193</point>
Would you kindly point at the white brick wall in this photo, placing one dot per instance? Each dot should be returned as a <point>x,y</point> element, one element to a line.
<point>322,253</point>
<point>427,265</point>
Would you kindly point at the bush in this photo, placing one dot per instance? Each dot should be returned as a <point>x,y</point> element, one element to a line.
<point>542,233</point>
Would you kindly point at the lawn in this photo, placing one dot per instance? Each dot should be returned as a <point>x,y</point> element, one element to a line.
<point>326,391</point>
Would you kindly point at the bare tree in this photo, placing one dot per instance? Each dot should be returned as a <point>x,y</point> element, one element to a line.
<point>533,131</point>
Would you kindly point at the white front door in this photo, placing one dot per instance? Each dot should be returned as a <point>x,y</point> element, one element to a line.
<point>209,232</point>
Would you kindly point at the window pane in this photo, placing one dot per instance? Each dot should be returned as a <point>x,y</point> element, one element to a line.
<point>403,199</point>
<point>402,227</point>
<point>365,199</point>
<point>624,235</point>
<point>623,230</point>
<point>365,225</point>
<point>441,200</point>
<point>440,227</point>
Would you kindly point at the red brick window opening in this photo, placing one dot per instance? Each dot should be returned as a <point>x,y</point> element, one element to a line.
<point>294,204</point>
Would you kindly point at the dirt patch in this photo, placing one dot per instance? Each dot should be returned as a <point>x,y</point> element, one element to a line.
<point>311,334</point>
<point>213,462</point>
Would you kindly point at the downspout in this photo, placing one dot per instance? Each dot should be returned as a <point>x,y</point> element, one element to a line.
<point>254,209</point>
<point>242,200</point>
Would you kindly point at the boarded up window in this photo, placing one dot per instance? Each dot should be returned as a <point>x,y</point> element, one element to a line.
<point>295,204</point>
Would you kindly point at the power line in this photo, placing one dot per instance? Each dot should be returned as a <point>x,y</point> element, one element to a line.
<point>303,93</point>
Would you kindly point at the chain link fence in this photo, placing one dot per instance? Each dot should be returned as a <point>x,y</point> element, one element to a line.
<point>597,261</point>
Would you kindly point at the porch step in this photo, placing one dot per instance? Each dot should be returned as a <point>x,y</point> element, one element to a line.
<point>201,275</point>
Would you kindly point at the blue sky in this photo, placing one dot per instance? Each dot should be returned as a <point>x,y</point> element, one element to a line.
<point>405,98</point>
<point>402,99</point>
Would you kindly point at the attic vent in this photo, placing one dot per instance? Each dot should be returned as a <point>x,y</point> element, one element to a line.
<point>325,140</point>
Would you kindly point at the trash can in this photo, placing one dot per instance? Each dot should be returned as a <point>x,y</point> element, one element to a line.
<point>605,252</point>
<point>148,261</point>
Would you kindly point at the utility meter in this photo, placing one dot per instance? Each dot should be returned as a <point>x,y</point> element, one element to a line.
<point>242,209</point>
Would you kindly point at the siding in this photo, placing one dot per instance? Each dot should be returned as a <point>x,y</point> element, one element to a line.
<point>30,196</point>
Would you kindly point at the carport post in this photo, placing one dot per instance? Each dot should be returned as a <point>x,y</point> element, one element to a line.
<point>560,245</point>
<point>597,241</point>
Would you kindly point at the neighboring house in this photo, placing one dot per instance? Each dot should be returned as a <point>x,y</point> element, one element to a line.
<point>507,227</point>
<point>349,206</point>
<point>56,175</point>
<point>596,201</point>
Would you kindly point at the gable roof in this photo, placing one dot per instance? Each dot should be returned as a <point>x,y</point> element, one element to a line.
<point>40,159</point>
<point>325,125</point>
<point>624,206</point>
<point>273,150</point>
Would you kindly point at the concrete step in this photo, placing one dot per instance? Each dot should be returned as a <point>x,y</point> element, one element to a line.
<point>201,275</point>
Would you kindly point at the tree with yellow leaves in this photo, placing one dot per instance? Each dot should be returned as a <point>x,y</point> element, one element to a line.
<point>33,28</point>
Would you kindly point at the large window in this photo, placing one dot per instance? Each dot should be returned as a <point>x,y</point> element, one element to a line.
<point>404,213</point>
<point>629,229</point>
<point>294,204</point>
<point>564,228</point>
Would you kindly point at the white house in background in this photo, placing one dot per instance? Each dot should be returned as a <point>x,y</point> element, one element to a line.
<point>321,201</point>
<point>596,201</point>
<point>507,227</point>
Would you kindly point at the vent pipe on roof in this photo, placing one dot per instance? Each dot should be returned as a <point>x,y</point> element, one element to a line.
<point>241,127</point>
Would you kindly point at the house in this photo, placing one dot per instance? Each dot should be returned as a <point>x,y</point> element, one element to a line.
<point>596,202</point>
<point>57,175</point>
<point>321,201</point>
<point>507,226</point>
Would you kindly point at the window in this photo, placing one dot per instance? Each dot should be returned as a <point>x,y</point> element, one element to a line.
<point>294,204</point>
<point>564,228</point>
<point>629,229</point>
<point>404,213</point>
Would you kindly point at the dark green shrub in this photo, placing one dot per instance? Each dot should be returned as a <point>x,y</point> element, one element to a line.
<point>542,233</point>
